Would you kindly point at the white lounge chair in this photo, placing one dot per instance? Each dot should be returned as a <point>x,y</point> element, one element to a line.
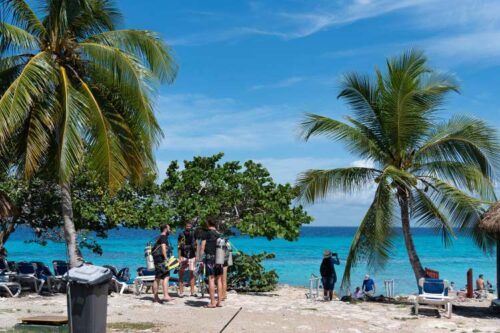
<point>434,292</point>
<point>140,282</point>
<point>8,286</point>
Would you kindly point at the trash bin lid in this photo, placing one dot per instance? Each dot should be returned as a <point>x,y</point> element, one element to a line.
<point>89,274</point>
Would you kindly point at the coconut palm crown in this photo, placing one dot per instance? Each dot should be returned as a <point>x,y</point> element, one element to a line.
<point>72,84</point>
<point>438,174</point>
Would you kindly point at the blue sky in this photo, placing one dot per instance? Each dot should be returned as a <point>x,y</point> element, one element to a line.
<point>250,69</point>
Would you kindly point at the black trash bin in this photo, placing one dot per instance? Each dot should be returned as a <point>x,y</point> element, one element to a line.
<point>88,298</point>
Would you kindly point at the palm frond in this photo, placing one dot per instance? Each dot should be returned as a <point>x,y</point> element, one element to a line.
<point>412,92</point>
<point>23,16</point>
<point>317,184</point>
<point>132,81</point>
<point>464,140</point>
<point>36,135</point>
<point>96,17</point>
<point>459,174</point>
<point>71,146</point>
<point>485,241</point>
<point>13,38</point>
<point>105,155</point>
<point>145,45</point>
<point>463,210</point>
<point>34,81</point>
<point>373,238</point>
<point>354,138</point>
<point>426,213</point>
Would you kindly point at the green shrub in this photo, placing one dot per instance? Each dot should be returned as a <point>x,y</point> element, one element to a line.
<point>249,275</point>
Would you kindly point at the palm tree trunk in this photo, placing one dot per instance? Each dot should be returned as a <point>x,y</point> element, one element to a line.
<point>69,226</point>
<point>404,204</point>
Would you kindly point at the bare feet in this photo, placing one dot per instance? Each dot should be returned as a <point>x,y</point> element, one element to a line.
<point>210,306</point>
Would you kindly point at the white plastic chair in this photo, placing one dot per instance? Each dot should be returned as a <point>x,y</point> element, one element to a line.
<point>433,294</point>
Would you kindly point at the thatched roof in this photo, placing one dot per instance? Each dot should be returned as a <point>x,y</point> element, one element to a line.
<point>7,208</point>
<point>491,220</point>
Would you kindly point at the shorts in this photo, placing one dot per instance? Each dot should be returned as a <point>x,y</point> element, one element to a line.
<point>328,283</point>
<point>212,269</point>
<point>161,271</point>
<point>188,264</point>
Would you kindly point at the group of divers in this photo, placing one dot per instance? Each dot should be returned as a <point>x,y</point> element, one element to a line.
<point>212,255</point>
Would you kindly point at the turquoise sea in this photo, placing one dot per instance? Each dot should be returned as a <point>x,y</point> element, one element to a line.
<point>295,261</point>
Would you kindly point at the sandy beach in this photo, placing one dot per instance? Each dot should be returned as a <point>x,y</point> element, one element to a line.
<point>285,310</point>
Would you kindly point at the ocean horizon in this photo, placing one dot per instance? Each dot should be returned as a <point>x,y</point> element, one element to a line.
<point>295,261</point>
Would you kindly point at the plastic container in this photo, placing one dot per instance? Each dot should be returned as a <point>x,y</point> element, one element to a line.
<point>88,298</point>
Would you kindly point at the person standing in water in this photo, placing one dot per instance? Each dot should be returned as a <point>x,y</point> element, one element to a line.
<point>187,249</point>
<point>213,270</point>
<point>160,253</point>
<point>328,274</point>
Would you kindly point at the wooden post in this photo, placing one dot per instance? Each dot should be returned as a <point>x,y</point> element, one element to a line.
<point>470,288</point>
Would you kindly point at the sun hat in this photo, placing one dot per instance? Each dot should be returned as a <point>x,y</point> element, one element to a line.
<point>367,277</point>
<point>327,253</point>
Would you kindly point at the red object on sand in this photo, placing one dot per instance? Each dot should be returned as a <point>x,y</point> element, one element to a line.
<point>470,287</point>
<point>432,274</point>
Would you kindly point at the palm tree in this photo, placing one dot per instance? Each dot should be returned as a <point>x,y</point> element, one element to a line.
<point>74,86</point>
<point>438,173</point>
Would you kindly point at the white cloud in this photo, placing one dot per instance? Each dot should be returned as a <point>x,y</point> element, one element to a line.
<point>280,84</point>
<point>308,23</point>
<point>466,47</point>
<point>363,164</point>
<point>196,123</point>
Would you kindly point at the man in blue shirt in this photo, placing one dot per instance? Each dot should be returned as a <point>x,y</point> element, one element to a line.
<point>368,287</point>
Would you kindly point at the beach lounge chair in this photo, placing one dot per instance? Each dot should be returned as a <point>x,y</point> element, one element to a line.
<point>8,286</point>
<point>145,279</point>
<point>44,273</point>
<point>57,282</point>
<point>26,275</point>
<point>118,282</point>
<point>433,292</point>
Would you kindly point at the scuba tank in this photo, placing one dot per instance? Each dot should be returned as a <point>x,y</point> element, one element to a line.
<point>220,251</point>
<point>229,254</point>
<point>150,264</point>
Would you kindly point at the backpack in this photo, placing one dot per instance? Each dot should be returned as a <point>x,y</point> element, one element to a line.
<point>326,268</point>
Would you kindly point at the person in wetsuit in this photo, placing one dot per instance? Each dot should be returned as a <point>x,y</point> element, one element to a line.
<point>187,248</point>
<point>213,270</point>
<point>161,250</point>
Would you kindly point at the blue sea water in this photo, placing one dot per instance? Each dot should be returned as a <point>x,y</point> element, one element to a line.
<point>294,261</point>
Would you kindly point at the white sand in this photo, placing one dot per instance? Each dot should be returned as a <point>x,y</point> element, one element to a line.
<point>285,310</point>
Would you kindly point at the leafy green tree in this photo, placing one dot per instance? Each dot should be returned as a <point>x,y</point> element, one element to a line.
<point>438,173</point>
<point>96,209</point>
<point>73,85</point>
<point>239,197</point>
